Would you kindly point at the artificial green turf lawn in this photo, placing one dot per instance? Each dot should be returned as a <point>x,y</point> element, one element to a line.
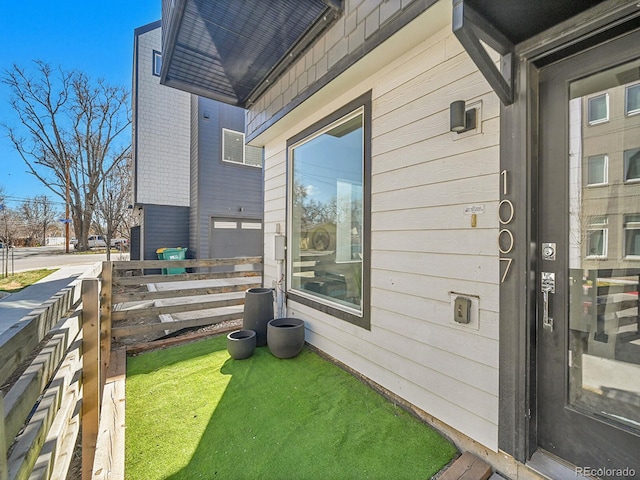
<point>194,413</point>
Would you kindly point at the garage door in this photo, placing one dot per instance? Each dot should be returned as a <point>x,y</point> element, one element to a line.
<point>235,237</point>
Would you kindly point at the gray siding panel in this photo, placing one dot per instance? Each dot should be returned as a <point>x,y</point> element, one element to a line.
<point>224,189</point>
<point>194,233</point>
<point>165,226</point>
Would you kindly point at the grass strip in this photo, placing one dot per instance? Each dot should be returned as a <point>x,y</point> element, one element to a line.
<point>16,282</point>
<point>193,412</point>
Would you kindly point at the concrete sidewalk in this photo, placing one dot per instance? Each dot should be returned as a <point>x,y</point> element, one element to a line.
<point>17,305</point>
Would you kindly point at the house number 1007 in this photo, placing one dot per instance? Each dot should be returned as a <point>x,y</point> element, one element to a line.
<point>506,242</point>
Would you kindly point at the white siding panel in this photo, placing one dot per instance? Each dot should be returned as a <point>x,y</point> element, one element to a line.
<point>428,82</point>
<point>457,192</point>
<point>425,57</point>
<point>437,101</point>
<point>423,245</point>
<point>469,164</point>
<point>446,266</point>
<point>464,242</point>
<point>391,155</point>
<point>457,368</point>
<point>426,309</point>
<point>434,218</point>
<point>423,285</point>
<point>474,164</point>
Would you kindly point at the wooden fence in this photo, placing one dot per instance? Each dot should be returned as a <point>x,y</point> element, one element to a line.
<point>73,381</point>
<point>40,371</point>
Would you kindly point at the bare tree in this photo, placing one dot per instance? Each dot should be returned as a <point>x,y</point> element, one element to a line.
<point>38,214</point>
<point>113,201</point>
<point>68,134</point>
<point>8,232</point>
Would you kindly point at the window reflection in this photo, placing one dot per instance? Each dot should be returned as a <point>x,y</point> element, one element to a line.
<point>327,214</point>
<point>604,326</point>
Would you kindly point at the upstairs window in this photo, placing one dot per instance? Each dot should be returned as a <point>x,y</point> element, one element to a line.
<point>235,151</point>
<point>632,99</point>
<point>157,63</point>
<point>632,165</point>
<point>597,237</point>
<point>597,170</point>
<point>632,235</point>
<point>598,109</point>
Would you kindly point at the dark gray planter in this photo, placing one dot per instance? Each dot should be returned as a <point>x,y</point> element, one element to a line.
<point>285,337</point>
<point>258,310</point>
<point>241,344</point>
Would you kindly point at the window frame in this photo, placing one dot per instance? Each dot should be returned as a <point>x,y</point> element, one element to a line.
<point>595,226</point>
<point>600,120</point>
<point>154,62</point>
<point>244,150</point>
<point>625,165</point>
<point>628,112</point>
<point>359,318</point>
<point>625,229</point>
<point>605,167</point>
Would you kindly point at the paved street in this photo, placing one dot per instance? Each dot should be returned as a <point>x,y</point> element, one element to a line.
<point>71,266</point>
<point>31,258</point>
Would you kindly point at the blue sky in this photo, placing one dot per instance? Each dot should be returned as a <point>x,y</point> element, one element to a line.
<point>95,37</point>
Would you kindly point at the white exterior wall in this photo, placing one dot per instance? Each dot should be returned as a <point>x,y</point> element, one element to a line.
<point>423,245</point>
<point>163,133</point>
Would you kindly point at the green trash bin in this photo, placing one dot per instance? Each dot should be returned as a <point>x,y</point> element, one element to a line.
<point>172,254</point>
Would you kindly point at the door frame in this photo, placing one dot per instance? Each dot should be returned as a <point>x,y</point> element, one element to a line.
<point>517,434</point>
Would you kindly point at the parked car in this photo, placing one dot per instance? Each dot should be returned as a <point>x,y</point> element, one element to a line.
<point>121,243</point>
<point>96,241</point>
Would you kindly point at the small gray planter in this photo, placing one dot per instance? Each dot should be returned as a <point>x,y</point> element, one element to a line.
<point>258,310</point>
<point>241,344</point>
<point>285,337</point>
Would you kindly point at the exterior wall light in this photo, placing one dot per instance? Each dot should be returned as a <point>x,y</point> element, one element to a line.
<point>461,119</point>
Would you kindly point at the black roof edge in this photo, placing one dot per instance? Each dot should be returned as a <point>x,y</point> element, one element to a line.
<point>171,36</point>
<point>326,20</point>
<point>147,28</point>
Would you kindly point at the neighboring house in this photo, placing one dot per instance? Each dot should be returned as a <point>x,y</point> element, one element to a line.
<point>196,184</point>
<point>455,253</point>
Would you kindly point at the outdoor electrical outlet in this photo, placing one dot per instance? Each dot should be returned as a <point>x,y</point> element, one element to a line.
<point>462,310</point>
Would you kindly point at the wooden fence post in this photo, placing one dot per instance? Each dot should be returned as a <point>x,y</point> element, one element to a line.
<point>105,319</point>
<point>91,376</point>
<point>3,446</point>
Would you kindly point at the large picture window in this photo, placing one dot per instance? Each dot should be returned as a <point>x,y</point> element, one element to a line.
<point>328,217</point>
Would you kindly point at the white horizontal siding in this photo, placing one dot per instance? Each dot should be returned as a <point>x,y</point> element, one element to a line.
<point>423,245</point>
<point>440,217</point>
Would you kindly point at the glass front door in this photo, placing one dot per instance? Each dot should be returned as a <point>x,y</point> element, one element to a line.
<point>604,245</point>
<point>589,264</point>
